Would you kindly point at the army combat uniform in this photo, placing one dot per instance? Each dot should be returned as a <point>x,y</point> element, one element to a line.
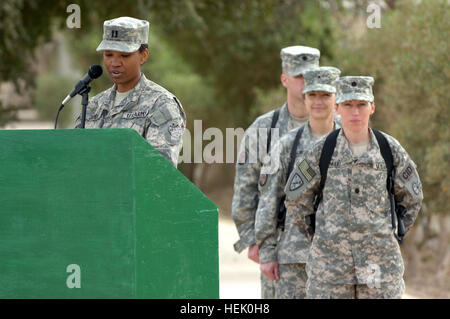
<point>289,247</point>
<point>354,252</point>
<point>295,60</point>
<point>148,108</point>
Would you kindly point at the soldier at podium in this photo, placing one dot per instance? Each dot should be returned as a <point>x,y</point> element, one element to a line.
<point>134,101</point>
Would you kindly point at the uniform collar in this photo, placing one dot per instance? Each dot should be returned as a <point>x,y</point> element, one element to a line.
<point>346,155</point>
<point>127,102</point>
<point>373,149</point>
<point>307,130</point>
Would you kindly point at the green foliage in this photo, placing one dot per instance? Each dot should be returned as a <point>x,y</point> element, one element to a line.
<point>233,46</point>
<point>410,61</point>
<point>267,100</point>
<point>6,116</point>
<point>24,25</point>
<point>167,67</point>
<point>164,66</point>
<point>50,90</point>
<point>236,45</point>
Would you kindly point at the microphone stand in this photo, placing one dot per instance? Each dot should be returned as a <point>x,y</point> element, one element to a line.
<point>84,102</point>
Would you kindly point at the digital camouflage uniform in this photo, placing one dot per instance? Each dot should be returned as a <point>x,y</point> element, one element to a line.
<point>151,110</point>
<point>246,194</point>
<point>290,247</point>
<point>295,60</point>
<point>354,252</point>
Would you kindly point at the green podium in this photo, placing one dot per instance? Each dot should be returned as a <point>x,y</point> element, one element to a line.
<point>101,214</point>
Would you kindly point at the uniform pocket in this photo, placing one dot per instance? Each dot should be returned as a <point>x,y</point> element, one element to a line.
<point>377,202</point>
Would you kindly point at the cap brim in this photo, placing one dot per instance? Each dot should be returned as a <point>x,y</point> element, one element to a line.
<point>118,46</point>
<point>354,96</point>
<point>300,70</point>
<point>320,87</point>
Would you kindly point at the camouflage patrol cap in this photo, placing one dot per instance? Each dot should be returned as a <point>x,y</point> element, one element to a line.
<point>354,88</point>
<point>124,34</point>
<point>321,79</point>
<point>297,59</point>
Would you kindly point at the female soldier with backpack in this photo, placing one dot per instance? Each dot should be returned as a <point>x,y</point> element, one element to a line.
<point>355,251</point>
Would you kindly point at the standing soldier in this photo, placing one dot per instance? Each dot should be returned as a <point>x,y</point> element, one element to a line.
<point>295,61</point>
<point>284,258</point>
<point>365,185</point>
<point>135,102</point>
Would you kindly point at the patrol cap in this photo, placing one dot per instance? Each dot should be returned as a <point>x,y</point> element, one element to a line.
<point>297,59</point>
<point>124,34</point>
<point>321,79</point>
<point>354,88</point>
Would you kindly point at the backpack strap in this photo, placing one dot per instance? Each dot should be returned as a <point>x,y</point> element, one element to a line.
<point>298,136</point>
<point>281,211</point>
<point>325,159</point>
<point>385,152</point>
<point>397,211</point>
<point>275,116</point>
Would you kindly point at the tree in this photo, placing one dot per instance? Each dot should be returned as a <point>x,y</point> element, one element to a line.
<point>236,44</point>
<point>25,25</point>
<point>411,80</point>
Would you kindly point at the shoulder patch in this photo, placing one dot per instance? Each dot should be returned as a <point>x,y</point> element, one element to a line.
<point>410,178</point>
<point>407,172</point>
<point>175,129</point>
<point>417,188</point>
<point>296,182</point>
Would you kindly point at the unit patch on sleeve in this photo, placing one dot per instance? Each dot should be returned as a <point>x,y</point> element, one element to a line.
<point>411,180</point>
<point>296,183</point>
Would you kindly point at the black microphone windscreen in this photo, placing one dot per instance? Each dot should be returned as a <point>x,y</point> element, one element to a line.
<point>95,71</point>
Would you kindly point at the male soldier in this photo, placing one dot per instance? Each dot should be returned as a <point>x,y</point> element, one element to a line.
<point>295,61</point>
<point>135,102</point>
<point>284,258</point>
<point>354,251</point>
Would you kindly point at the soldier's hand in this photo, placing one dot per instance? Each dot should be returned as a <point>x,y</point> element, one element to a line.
<point>253,253</point>
<point>270,270</point>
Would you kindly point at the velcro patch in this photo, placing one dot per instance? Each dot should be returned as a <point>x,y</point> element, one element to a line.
<point>296,183</point>
<point>175,129</point>
<point>417,187</point>
<point>407,172</point>
<point>306,170</point>
<point>411,179</point>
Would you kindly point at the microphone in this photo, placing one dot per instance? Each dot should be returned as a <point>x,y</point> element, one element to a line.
<point>82,88</point>
<point>94,72</point>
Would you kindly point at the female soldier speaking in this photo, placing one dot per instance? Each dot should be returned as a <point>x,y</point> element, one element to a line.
<point>354,251</point>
